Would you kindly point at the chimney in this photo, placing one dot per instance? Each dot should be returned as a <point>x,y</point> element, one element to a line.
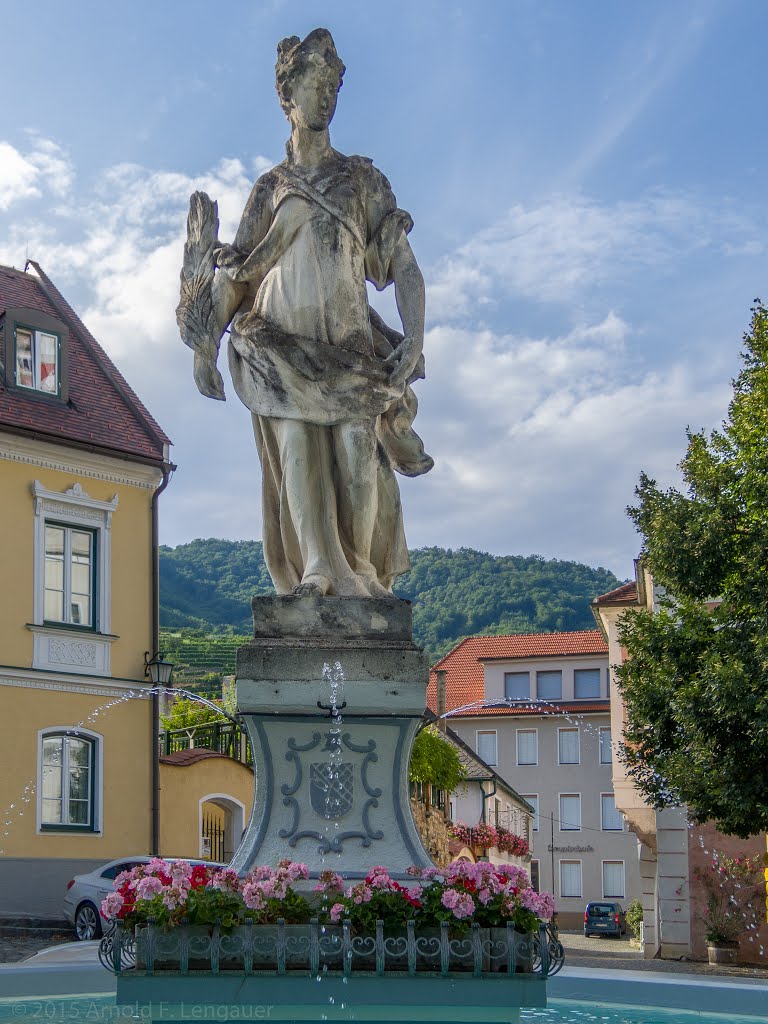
<point>441,676</point>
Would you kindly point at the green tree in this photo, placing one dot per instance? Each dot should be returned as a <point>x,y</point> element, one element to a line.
<point>186,714</point>
<point>695,683</point>
<point>435,761</point>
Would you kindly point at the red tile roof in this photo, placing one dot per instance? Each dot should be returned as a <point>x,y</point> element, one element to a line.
<point>625,594</point>
<point>102,411</point>
<point>464,665</point>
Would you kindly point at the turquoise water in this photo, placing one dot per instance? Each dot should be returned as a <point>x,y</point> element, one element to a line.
<point>83,1009</point>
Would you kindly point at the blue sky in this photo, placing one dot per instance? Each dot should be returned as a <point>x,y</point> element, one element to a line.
<point>587,184</point>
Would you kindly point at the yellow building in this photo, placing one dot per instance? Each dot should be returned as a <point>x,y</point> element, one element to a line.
<point>205,802</point>
<point>82,464</point>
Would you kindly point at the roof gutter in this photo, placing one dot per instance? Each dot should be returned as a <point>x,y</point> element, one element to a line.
<point>167,470</point>
<point>83,446</point>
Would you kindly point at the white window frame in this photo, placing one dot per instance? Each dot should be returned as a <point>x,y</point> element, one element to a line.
<point>37,334</point>
<point>603,729</point>
<point>488,732</point>
<point>571,896</point>
<point>602,817</point>
<point>65,647</point>
<point>517,747</point>
<point>570,729</point>
<point>98,789</point>
<point>535,817</point>
<point>613,895</point>
<point>560,811</point>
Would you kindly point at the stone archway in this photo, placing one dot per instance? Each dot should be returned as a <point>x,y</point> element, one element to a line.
<point>230,813</point>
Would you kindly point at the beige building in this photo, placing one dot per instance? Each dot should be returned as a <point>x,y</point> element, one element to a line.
<point>671,847</point>
<point>82,465</point>
<point>536,708</point>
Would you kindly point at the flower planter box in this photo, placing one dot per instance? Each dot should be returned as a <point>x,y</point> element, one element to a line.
<point>284,948</point>
<point>723,953</point>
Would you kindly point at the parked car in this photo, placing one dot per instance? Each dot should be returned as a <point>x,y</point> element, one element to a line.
<point>82,902</point>
<point>605,918</point>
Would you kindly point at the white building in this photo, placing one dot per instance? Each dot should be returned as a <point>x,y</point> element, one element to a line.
<point>552,742</point>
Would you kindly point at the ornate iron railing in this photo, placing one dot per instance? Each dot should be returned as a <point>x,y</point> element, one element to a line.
<point>223,737</point>
<point>320,949</point>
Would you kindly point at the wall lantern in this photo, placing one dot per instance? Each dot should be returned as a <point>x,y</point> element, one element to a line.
<point>158,669</point>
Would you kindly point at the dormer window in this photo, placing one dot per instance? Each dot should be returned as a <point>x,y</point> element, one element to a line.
<point>34,352</point>
<point>38,359</point>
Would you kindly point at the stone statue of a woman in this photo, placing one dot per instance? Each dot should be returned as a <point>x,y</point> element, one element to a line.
<point>327,382</point>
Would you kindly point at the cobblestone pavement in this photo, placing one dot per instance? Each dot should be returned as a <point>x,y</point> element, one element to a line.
<point>18,947</point>
<point>613,953</point>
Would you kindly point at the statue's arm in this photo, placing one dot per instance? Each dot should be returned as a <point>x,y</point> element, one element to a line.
<point>253,267</point>
<point>409,295</point>
<point>230,285</point>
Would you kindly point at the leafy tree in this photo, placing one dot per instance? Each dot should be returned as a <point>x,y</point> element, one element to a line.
<point>435,761</point>
<point>695,683</point>
<point>186,714</point>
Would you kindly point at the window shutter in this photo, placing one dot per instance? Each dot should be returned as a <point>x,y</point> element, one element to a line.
<point>612,820</point>
<point>569,746</point>
<point>613,878</point>
<point>570,878</point>
<point>570,813</point>
<point>486,747</point>
<point>527,746</point>
<point>605,746</point>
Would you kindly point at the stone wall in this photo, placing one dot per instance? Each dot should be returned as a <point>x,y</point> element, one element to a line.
<point>433,828</point>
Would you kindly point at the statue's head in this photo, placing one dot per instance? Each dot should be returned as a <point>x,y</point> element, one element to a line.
<point>308,78</point>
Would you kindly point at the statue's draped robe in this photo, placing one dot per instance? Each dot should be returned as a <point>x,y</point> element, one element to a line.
<point>302,348</point>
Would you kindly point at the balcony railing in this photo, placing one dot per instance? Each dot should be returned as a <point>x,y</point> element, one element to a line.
<point>222,737</point>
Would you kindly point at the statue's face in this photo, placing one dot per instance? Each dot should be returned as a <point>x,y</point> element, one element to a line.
<point>313,97</point>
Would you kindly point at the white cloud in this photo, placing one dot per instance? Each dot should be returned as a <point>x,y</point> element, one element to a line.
<point>17,176</point>
<point>538,443</point>
<point>26,176</point>
<point>538,433</point>
<point>569,246</point>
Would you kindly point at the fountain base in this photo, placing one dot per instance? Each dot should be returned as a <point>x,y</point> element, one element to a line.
<point>331,691</point>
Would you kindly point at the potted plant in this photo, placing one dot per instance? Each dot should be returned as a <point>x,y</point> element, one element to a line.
<point>731,897</point>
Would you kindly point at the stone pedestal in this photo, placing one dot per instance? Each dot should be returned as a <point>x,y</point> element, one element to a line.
<point>332,691</point>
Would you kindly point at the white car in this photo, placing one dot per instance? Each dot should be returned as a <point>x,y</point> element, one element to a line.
<point>82,903</point>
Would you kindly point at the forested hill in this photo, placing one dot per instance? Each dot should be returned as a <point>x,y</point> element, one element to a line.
<point>208,585</point>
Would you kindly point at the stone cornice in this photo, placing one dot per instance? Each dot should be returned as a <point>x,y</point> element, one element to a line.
<point>70,460</point>
<point>29,679</point>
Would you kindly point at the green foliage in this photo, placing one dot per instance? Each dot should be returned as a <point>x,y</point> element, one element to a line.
<point>210,583</point>
<point>186,714</point>
<point>634,917</point>
<point>206,589</point>
<point>464,592</point>
<point>435,761</point>
<point>695,684</point>
<point>201,659</point>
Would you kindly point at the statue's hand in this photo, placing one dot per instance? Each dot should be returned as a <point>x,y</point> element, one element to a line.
<point>229,259</point>
<point>403,361</point>
<point>208,379</point>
